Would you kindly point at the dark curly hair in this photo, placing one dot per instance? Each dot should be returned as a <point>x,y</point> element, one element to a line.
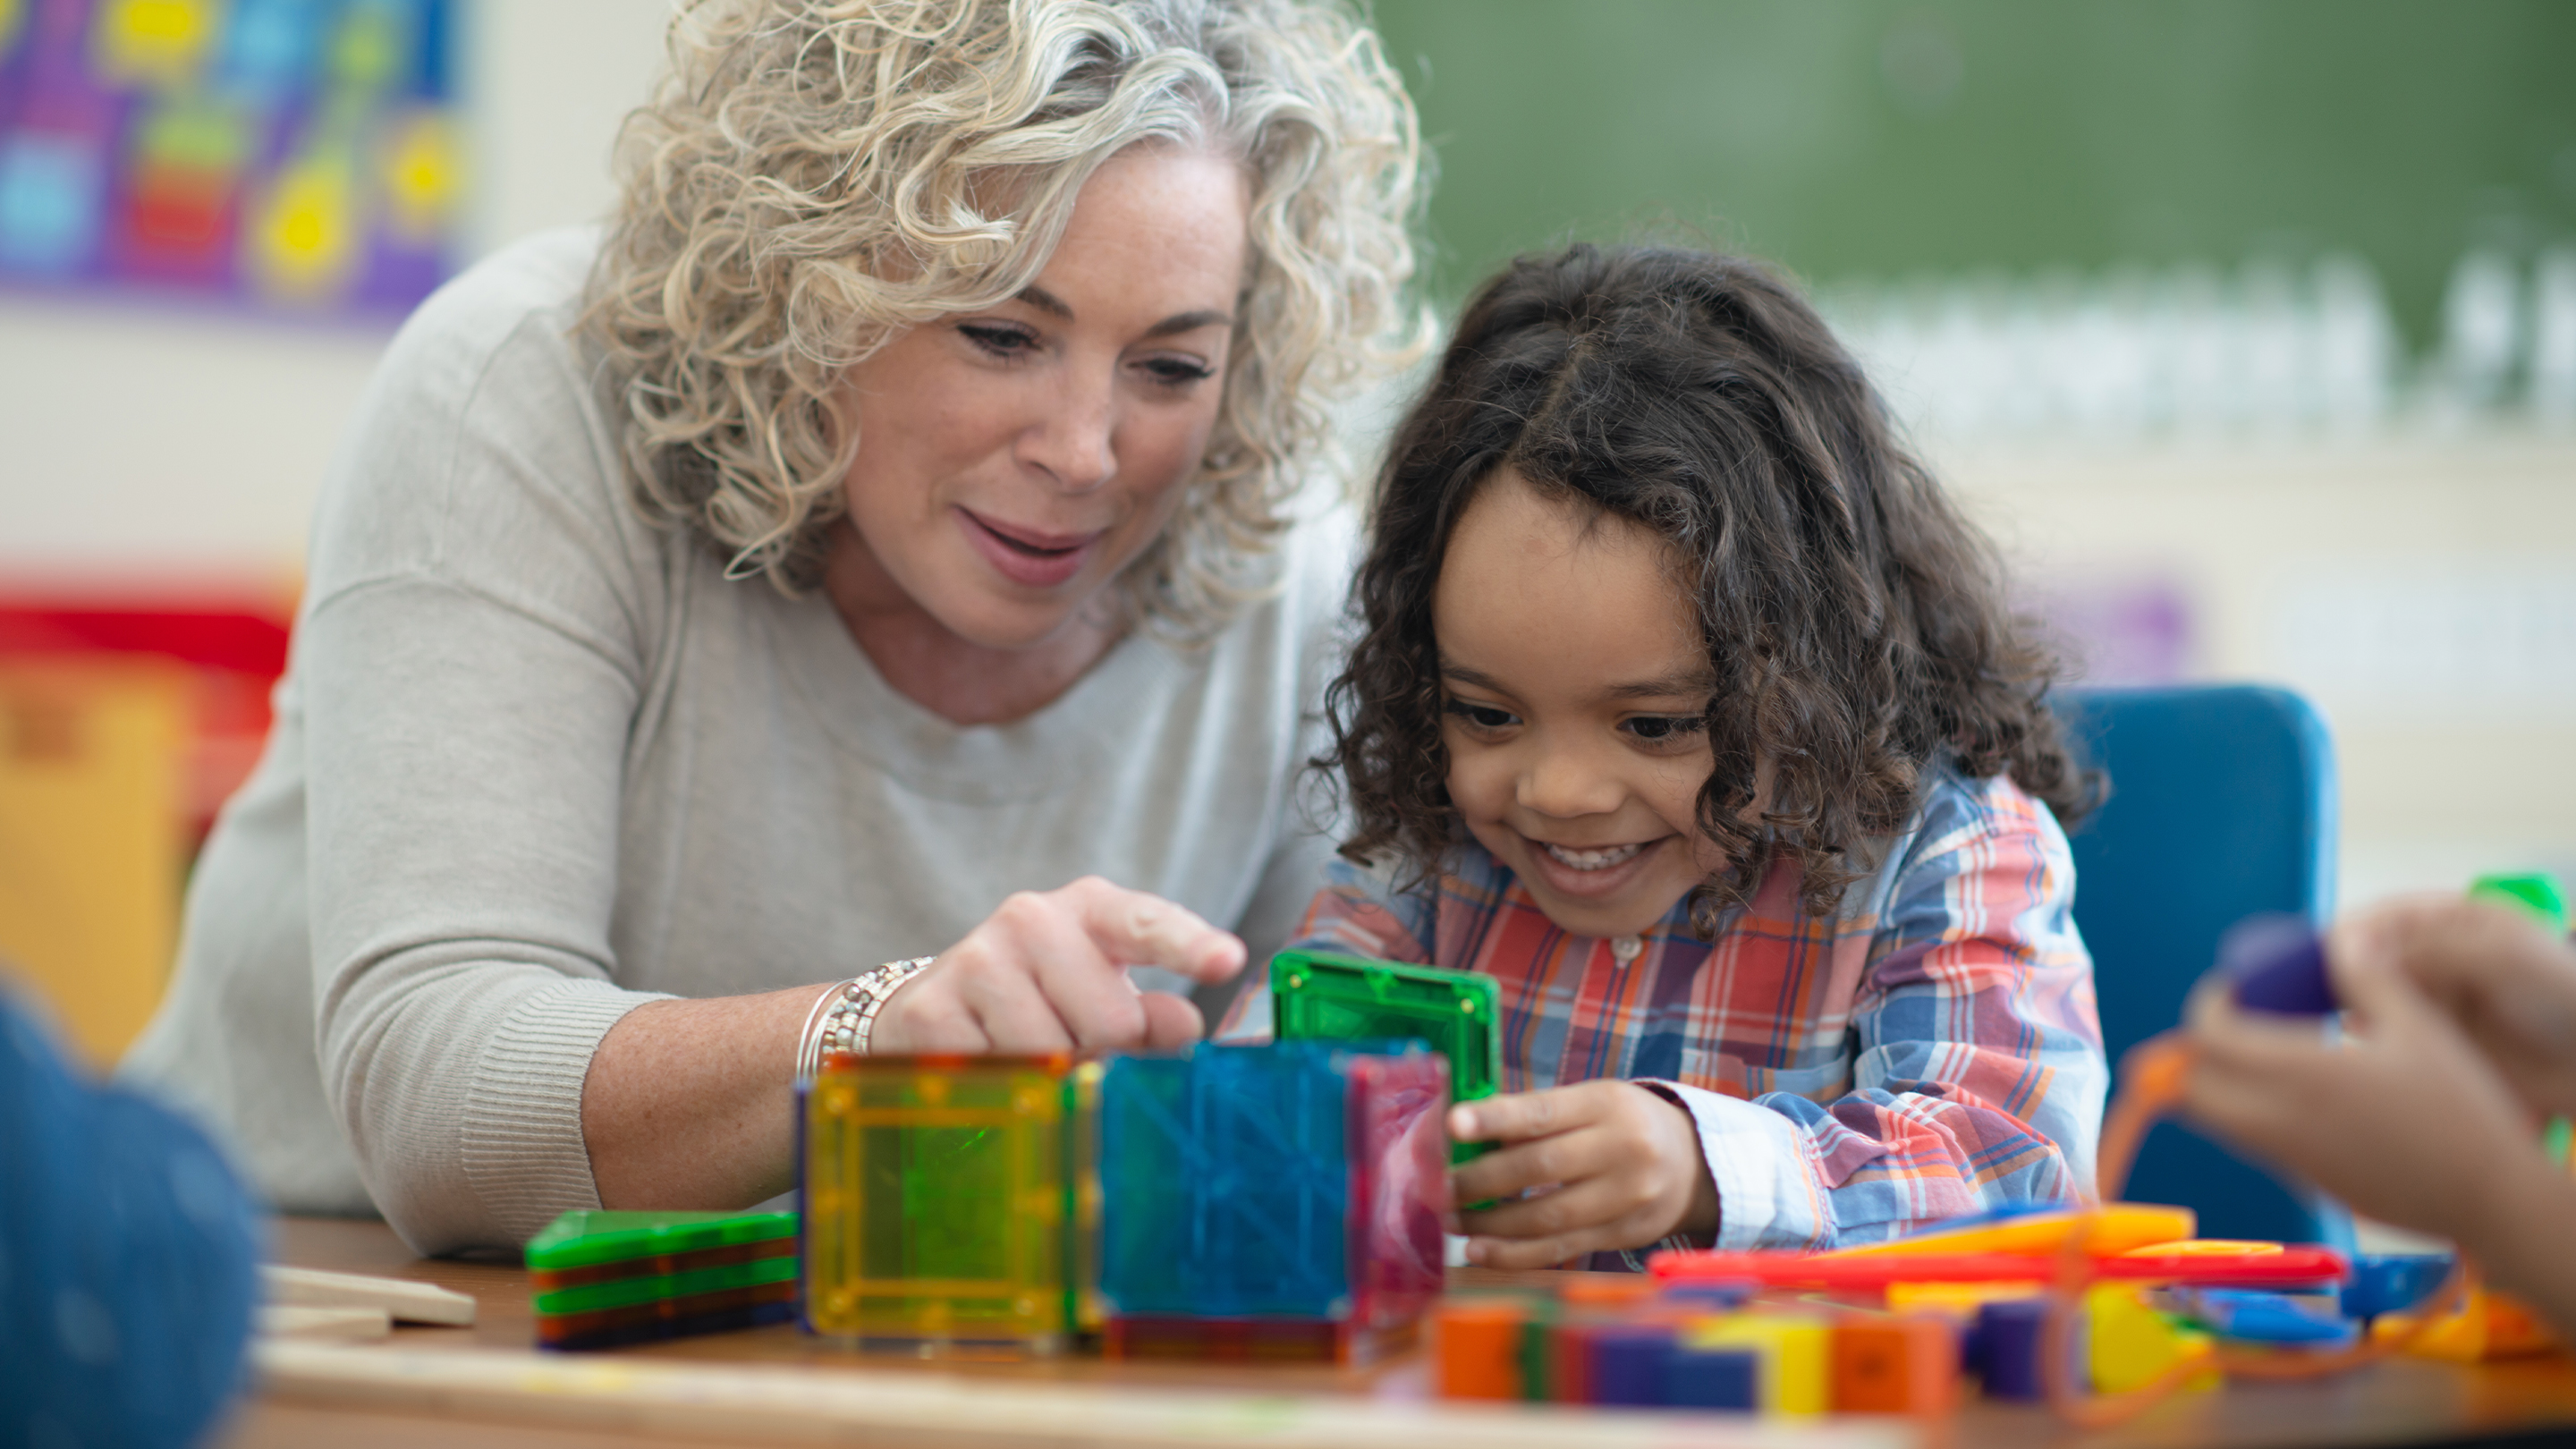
<point>1855,621</point>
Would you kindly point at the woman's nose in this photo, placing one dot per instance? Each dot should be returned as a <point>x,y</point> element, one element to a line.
<point>1076,440</point>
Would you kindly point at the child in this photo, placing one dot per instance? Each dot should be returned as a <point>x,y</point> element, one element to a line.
<point>1688,708</point>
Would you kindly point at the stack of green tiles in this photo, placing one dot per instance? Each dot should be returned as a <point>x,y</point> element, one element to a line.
<point>608,1278</point>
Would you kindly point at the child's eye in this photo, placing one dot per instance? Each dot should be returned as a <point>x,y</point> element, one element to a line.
<point>1482,716</point>
<point>999,340</point>
<point>1657,729</point>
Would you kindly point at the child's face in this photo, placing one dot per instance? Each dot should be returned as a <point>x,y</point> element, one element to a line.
<point>1573,681</point>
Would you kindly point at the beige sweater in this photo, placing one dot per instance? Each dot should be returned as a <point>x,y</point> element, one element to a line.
<point>536,762</point>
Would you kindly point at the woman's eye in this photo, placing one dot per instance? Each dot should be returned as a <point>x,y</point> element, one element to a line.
<point>1177,371</point>
<point>999,341</point>
<point>1482,716</point>
<point>1658,729</point>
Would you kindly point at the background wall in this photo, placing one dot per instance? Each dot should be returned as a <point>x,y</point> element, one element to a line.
<point>2249,328</point>
<point>153,445</point>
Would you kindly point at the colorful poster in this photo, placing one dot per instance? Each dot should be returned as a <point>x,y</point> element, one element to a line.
<point>297,154</point>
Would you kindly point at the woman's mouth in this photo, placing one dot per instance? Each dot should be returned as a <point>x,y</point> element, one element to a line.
<point>1028,557</point>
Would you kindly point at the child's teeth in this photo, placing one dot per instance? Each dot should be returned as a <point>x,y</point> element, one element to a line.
<point>1593,859</point>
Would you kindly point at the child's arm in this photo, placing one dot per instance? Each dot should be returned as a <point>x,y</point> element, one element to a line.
<point>1978,1074</point>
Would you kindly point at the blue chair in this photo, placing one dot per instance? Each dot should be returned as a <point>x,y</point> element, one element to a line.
<point>2222,805</point>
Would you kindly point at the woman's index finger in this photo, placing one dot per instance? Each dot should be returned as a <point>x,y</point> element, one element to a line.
<point>1134,928</point>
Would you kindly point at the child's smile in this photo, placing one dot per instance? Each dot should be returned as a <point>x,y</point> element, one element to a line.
<point>1573,684</point>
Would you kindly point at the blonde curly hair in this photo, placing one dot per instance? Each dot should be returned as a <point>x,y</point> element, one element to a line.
<point>813,176</point>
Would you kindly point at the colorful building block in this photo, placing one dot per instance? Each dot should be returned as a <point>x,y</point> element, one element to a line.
<point>2490,1325</point>
<point>1295,1181</point>
<point>607,1278</point>
<point>1895,1365</point>
<point>2129,1344</point>
<point>1629,1364</point>
<point>2247,1316</point>
<point>943,1201</point>
<point>1712,1378</point>
<point>2007,1341</point>
<point>1320,997</point>
<point>2114,1227</point>
<point>2392,1282</point>
<point>1793,1354</point>
<point>1476,1347</point>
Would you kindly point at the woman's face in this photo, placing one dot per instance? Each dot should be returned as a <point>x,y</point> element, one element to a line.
<point>1013,460</point>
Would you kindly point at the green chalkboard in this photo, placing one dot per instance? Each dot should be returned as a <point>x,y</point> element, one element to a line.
<point>1852,138</point>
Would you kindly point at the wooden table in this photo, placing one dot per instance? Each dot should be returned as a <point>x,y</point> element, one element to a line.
<point>2401,1402</point>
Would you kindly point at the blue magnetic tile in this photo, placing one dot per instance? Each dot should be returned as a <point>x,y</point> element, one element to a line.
<point>1225,1182</point>
<point>1728,1378</point>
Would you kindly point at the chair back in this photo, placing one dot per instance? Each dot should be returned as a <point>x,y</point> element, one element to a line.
<point>2222,805</point>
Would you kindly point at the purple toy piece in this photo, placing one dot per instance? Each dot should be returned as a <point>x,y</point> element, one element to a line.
<point>2278,964</point>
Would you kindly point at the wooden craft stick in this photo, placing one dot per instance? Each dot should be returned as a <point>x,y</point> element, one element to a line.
<point>400,1298</point>
<point>346,1325</point>
<point>818,1404</point>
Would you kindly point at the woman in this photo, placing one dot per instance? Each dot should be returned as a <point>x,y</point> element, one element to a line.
<point>896,516</point>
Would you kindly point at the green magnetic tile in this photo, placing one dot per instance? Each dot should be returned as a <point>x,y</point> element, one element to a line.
<point>2536,894</point>
<point>581,1239</point>
<point>1315,996</point>
<point>624,1292</point>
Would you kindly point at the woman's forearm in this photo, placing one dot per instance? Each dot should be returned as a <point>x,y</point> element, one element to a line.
<point>690,1104</point>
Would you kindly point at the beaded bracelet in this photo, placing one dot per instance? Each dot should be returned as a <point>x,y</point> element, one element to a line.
<point>844,1016</point>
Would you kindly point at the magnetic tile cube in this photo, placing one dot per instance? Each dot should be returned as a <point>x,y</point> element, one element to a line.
<point>944,1201</point>
<point>606,1278</point>
<point>1262,1185</point>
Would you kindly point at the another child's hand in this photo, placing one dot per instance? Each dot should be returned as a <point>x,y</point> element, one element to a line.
<point>2510,985</point>
<point>2404,1118</point>
<point>1624,1165</point>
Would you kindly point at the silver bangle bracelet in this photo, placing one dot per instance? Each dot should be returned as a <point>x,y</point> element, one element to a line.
<point>845,1016</point>
<point>809,1040</point>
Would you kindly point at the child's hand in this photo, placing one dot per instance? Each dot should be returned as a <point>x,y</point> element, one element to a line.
<point>1624,1162</point>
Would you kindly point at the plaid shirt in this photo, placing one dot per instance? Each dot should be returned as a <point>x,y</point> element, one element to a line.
<point>1930,1051</point>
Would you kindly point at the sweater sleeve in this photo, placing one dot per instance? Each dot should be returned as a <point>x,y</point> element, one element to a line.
<point>1978,1078</point>
<point>472,657</point>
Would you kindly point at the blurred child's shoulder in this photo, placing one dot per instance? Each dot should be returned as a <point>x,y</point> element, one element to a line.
<point>1960,819</point>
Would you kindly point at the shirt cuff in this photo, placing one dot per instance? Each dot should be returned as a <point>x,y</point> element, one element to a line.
<point>1767,1195</point>
<point>522,1145</point>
